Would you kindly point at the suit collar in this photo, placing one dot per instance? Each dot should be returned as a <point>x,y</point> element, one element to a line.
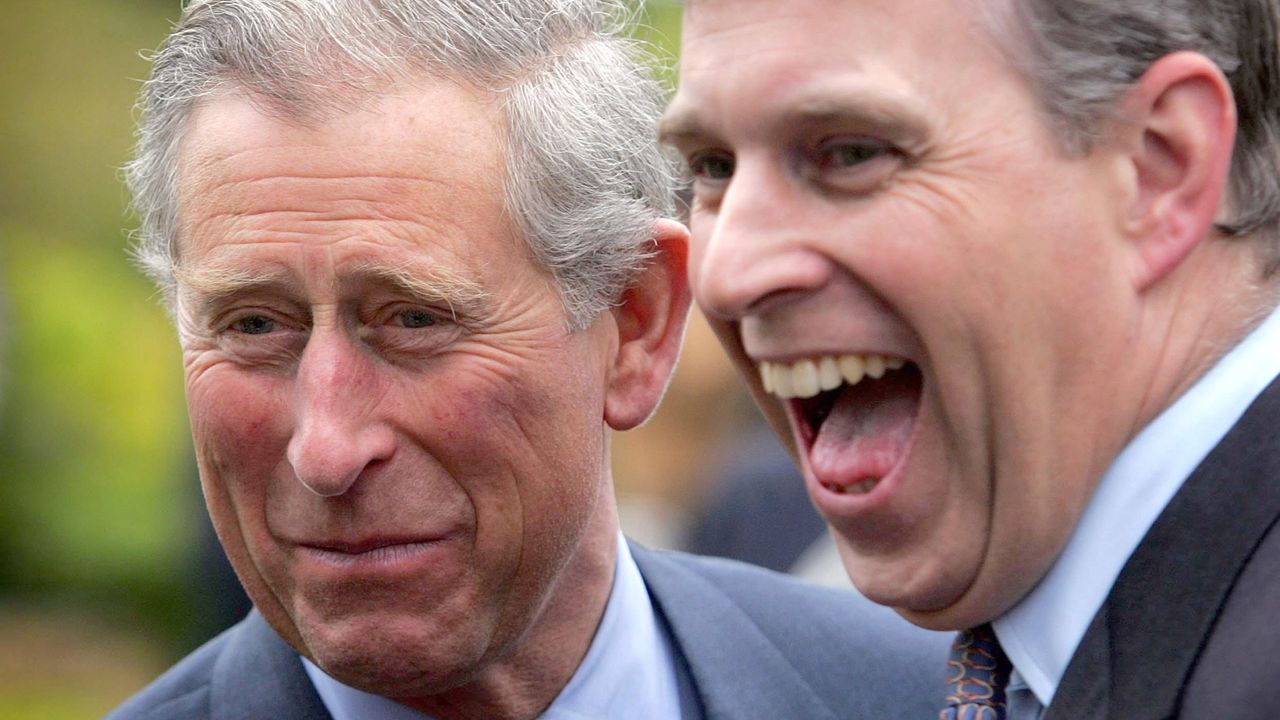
<point>713,634</point>
<point>1143,645</point>
<point>1043,630</point>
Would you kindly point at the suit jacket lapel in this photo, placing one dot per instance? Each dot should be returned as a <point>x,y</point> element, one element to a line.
<point>737,672</point>
<point>1169,594</point>
<point>1084,694</point>
<point>259,676</point>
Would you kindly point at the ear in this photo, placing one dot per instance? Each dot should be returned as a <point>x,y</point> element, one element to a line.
<point>1180,130</point>
<point>650,321</point>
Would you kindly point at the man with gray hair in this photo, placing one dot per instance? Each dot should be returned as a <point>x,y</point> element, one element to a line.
<point>1004,274</point>
<point>419,257</point>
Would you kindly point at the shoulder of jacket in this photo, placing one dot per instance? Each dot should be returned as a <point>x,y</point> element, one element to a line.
<point>182,691</point>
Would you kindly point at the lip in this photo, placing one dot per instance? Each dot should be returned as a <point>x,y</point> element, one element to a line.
<point>371,553</point>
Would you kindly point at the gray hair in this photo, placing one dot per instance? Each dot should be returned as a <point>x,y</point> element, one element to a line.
<point>585,180</point>
<point>1082,55</point>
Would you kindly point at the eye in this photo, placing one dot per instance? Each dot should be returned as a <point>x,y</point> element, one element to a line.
<point>855,164</point>
<point>711,165</point>
<point>416,318</point>
<point>258,336</point>
<point>254,325</point>
<point>409,332</point>
<point>843,155</point>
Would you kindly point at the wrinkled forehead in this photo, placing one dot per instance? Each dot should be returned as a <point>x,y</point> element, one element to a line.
<point>242,153</point>
<point>413,180</point>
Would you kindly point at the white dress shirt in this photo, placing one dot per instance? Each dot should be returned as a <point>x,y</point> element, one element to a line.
<point>1041,632</point>
<point>629,671</point>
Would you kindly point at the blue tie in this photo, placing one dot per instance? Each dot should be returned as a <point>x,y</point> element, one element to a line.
<point>977,675</point>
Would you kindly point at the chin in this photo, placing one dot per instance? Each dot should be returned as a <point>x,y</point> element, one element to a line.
<point>393,671</point>
<point>392,659</point>
<point>923,593</point>
<point>974,605</point>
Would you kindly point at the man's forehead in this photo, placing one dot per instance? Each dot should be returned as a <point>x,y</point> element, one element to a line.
<point>895,64</point>
<point>234,138</point>
<point>379,113</point>
<point>393,195</point>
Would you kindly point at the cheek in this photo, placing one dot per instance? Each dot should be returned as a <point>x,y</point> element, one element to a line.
<point>240,427</point>
<point>506,409</point>
<point>526,444</point>
<point>240,422</point>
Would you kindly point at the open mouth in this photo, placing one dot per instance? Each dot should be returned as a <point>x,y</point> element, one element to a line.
<point>854,414</point>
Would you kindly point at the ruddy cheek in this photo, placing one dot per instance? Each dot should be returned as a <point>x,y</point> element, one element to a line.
<point>469,414</point>
<point>237,429</point>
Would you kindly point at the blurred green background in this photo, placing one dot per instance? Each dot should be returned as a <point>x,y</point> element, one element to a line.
<point>101,523</point>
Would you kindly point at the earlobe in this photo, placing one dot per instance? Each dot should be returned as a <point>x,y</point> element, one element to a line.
<point>651,319</point>
<point>1180,132</point>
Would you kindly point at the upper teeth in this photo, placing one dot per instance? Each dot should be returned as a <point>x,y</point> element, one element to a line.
<point>806,378</point>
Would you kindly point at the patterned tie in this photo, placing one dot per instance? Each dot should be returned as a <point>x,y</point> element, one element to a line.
<point>978,672</point>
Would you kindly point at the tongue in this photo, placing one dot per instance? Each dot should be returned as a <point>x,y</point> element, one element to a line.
<point>867,432</point>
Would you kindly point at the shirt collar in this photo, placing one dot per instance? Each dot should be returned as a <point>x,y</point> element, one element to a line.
<point>628,672</point>
<point>1041,632</point>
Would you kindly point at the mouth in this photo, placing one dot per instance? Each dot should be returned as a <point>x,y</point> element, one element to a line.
<point>854,415</point>
<point>371,552</point>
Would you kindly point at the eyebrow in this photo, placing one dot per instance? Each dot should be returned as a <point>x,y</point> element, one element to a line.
<point>899,118</point>
<point>428,283</point>
<point>213,284</point>
<point>677,123</point>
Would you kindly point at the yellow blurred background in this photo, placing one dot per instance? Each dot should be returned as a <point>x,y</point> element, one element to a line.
<point>103,541</point>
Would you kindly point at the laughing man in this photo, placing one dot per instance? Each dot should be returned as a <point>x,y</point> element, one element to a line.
<point>1004,274</point>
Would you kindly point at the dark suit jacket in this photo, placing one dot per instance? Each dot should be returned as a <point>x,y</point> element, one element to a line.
<point>750,644</point>
<point>1191,628</point>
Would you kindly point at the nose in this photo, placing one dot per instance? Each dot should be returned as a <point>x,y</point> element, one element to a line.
<point>338,432</point>
<point>754,247</point>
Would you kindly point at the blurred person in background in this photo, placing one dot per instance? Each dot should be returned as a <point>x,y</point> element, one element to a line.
<point>418,258</point>
<point>1004,274</point>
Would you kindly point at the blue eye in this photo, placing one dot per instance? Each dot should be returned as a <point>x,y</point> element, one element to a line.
<point>254,325</point>
<point>417,318</point>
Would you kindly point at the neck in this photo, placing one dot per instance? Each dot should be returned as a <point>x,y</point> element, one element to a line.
<point>1191,322</point>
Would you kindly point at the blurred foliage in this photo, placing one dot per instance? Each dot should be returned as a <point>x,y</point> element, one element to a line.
<point>93,428</point>
<point>659,29</point>
<point>99,510</point>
